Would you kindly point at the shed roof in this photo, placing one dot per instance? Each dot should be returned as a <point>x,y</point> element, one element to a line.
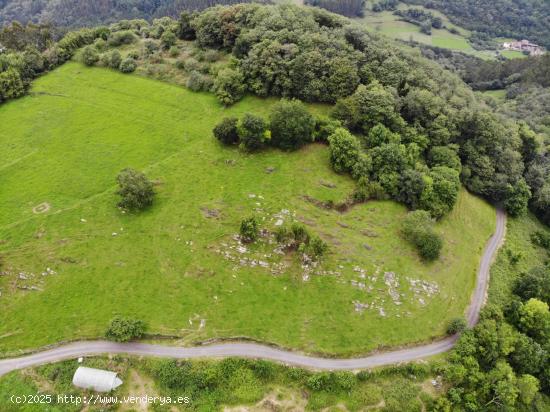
<point>96,379</point>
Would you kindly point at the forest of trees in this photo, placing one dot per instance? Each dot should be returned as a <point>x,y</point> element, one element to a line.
<point>79,13</point>
<point>419,128</point>
<point>528,19</point>
<point>349,8</point>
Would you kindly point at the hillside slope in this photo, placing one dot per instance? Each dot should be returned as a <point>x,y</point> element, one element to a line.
<point>506,18</point>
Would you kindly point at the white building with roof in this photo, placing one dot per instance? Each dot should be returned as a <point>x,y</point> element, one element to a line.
<point>96,379</point>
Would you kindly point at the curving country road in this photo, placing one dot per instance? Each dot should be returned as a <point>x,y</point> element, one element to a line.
<point>253,350</point>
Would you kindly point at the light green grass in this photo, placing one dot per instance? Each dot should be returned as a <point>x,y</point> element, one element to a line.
<point>513,54</point>
<point>64,145</point>
<point>498,95</point>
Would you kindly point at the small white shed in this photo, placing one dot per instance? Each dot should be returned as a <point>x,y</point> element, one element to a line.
<point>96,379</point>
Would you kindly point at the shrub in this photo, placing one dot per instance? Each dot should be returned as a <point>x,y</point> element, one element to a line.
<point>149,47</point>
<point>291,125</point>
<point>344,150</point>
<point>168,39</point>
<point>299,233</point>
<point>89,56</point>
<point>100,44</point>
<point>125,329</point>
<point>128,65</point>
<point>418,229</point>
<point>324,127</point>
<point>316,247</point>
<point>249,229</point>
<point>541,239</point>
<point>135,190</point>
<point>133,55</point>
<point>456,325</point>
<point>229,86</point>
<point>174,51</point>
<point>253,132</point>
<point>122,37</point>
<point>197,82</point>
<point>226,131</point>
<point>112,59</point>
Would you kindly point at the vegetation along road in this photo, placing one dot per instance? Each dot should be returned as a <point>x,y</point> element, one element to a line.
<point>252,350</point>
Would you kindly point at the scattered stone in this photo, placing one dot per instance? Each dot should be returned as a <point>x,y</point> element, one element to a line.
<point>367,246</point>
<point>269,169</point>
<point>330,185</point>
<point>342,224</point>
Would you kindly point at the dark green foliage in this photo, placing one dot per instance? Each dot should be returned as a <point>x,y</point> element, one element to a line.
<point>457,325</point>
<point>350,8</point>
<point>444,156</point>
<point>440,192</point>
<point>517,198</point>
<point>344,150</point>
<point>418,229</point>
<point>324,127</point>
<point>369,106</point>
<point>534,284</point>
<point>11,85</point>
<point>253,133</point>
<point>128,65</point>
<point>135,190</point>
<point>229,86</point>
<point>125,329</point>
<point>89,56</point>
<point>291,125</point>
<point>185,31</point>
<point>297,237</point>
<point>168,39</point>
<point>541,239</point>
<point>226,131</point>
<point>250,229</point>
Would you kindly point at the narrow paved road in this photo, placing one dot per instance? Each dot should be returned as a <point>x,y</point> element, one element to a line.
<point>253,350</point>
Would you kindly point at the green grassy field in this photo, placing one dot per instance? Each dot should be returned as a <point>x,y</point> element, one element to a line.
<point>390,25</point>
<point>65,143</point>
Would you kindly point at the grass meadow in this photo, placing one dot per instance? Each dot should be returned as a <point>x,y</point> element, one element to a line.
<point>73,260</point>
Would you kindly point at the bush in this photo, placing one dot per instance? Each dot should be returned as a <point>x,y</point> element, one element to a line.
<point>89,56</point>
<point>133,55</point>
<point>229,86</point>
<point>135,190</point>
<point>174,51</point>
<point>149,47</point>
<point>291,125</point>
<point>125,329</point>
<point>122,37</point>
<point>128,65</point>
<point>344,150</point>
<point>226,131</point>
<point>253,132</point>
<point>167,40</point>
<point>457,325</point>
<point>418,229</point>
<point>198,82</point>
<point>249,229</point>
<point>112,59</point>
